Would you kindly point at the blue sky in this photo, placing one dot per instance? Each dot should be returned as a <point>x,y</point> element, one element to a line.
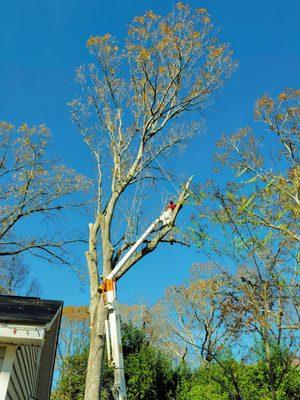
<point>42,42</point>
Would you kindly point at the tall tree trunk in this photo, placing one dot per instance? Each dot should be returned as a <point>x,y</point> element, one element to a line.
<point>97,321</point>
<point>96,352</point>
<point>98,311</point>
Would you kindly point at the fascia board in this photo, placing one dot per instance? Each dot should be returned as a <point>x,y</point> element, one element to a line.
<point>25,335</point>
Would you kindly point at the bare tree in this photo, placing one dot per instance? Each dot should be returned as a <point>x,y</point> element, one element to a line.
<point>198,325</point>
<point>129,117</point>
<point>34,189</point>
<point>15,278</point>
<point>74,333</point>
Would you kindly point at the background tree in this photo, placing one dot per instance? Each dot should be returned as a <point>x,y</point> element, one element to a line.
<point>15,278</point>
<point>250,232</point>
<point>197,322</point>
<point>129,117</point>
<point>33,188</point>
<point>267,173</point>
<point>73,337</point>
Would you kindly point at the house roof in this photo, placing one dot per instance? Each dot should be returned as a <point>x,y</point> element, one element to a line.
<point>27,310</point>
<point>33,311</point>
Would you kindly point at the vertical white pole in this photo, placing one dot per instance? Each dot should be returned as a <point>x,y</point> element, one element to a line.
<point>6,370</point>
<point>108,341</point>
<point>114,328</point>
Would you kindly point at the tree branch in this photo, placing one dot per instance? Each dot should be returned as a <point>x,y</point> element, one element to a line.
<point>184,194</point>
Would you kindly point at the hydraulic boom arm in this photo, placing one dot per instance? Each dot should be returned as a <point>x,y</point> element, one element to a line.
<point>112,325</point>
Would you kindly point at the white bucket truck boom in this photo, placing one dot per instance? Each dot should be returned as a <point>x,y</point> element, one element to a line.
<point>112,324</point>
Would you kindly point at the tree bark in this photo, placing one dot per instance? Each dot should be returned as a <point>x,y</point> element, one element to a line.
<point>96,352</point>
<point>98,313</point>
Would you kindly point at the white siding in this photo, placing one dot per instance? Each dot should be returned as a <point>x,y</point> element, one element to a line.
<point>23,380</point>
<point>6,370</point>
<point>2,354</point>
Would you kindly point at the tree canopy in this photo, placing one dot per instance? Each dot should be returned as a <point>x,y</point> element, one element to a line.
<point>34,187</point>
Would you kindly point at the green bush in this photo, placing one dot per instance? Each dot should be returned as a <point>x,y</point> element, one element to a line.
<point>149,373</point>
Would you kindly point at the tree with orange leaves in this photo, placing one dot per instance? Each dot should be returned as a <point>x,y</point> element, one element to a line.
<point>130,116</point>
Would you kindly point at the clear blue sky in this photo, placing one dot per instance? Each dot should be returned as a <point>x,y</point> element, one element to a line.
<point>42,42</point>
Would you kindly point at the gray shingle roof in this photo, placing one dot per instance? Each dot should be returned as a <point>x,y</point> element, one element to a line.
<point>27,310</point>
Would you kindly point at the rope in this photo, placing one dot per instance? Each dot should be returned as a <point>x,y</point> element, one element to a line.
<point>137,186</point>
<point>167,176</point>
<point>133,204</point>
